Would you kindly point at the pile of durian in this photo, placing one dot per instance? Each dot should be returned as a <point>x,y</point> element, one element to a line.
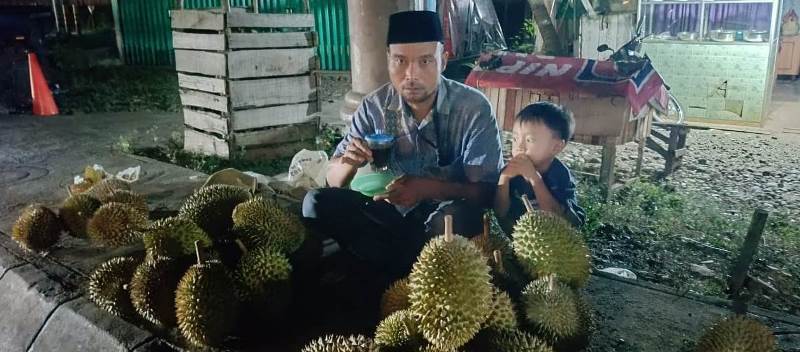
<point>100,208</point>
<point>187,277</point>
<point>487,293</point>
<point>225,252</point>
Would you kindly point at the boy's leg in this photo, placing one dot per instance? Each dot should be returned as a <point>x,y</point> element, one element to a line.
<point>375,232</point>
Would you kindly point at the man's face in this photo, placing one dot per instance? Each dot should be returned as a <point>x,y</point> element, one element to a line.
<point>415,68</point>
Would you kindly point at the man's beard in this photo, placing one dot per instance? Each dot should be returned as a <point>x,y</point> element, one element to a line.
<point>414,99</point>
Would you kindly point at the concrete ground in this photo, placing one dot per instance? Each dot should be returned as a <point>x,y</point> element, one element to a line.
<point>784,114</point>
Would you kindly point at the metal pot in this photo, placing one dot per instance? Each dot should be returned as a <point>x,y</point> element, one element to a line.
<point>721,35</point>
<point>687,35</point>
<point>756,36</point>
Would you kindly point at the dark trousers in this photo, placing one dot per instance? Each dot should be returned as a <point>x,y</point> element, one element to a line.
<point>377,233</point>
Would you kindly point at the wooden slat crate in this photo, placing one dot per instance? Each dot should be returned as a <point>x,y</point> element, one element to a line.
<point>247,81</point>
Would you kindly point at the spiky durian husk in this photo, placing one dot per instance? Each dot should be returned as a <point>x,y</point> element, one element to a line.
<point>338,343</point>
<point>153,290</point>
<point>206,306</point>
<point>508,274</point>
<point>109,284</point>
<point>76,211</point>
<point>552,311</point>
<point>37,228</point>
<point>211,208</point>
<point>395,298</point>
<point>503,316</point>
<point>737,334</point>
<point>450,291</point>
<point>103,189</point>
<point>547,244</point>
<point>510,341</point>
<point>173,237</point>
<point>135,200</point>
<point>116,224</point>
<point>258,270</point>
<point>398,333</point>
<point>262,222</point>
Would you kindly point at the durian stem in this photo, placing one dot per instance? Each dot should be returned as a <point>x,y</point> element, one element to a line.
<point>498,259</point>
<point>486,227</point>
<point>527,203</point>
<point>448,228</point>
<point>551,282</point>
<point>197,252</point>
<point>241,246</point>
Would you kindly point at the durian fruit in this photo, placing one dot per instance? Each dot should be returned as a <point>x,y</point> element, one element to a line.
<point>259,270</point>
<point>153,290</point>
<point>503,316</point>
<point>551,309</point>
<point>109,286</point>
<point>395,298</point>
<point>116,224</point>
<point>76,211</point>
<point>510,341</point>
<point>37,228</point>
<point>737,334</point>
<point>211,208</point>
<point>135,200</point>
<point>450,290</point>
<point>547,244</point>
<point>173,237</point>
<point>506,271</point>
<point>205,303</point>
<point>104,188</point>
<point>262,222</point>
<point>338,343</point>
<point>398,333</point>
<point>93,175</point>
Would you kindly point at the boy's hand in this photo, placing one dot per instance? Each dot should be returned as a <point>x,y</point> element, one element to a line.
<point>519,165</point>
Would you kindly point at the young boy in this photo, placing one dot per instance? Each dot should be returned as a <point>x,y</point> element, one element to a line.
<point>541,131</point>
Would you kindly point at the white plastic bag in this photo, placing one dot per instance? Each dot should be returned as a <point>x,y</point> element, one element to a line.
<point>308,169</point>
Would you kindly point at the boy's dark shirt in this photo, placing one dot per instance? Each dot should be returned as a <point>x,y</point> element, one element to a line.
<point>559,182</point>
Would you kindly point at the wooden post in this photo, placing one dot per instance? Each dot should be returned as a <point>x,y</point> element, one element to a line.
<point>746,255</point>
<point>607,167</point>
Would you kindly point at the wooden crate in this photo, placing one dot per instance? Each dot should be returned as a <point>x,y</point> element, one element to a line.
<point>247,81</point>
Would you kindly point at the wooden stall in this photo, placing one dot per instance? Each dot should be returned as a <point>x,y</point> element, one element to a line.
<point>609,110</point>
<point>247,82</point>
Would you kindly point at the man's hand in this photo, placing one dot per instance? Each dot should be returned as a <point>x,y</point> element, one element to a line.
<point>404,191</point>
<point>357,153</point>
<point>520,165</point>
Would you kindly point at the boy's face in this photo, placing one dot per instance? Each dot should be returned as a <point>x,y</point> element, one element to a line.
<point>537,141</point>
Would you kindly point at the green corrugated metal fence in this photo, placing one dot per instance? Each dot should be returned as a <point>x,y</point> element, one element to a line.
<point>334,37</point>
<point>147,36</point>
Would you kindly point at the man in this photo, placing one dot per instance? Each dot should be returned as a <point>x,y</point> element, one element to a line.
<point>446,153</point>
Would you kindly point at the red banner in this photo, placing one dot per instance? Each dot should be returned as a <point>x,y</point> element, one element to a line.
<point>570,75</point>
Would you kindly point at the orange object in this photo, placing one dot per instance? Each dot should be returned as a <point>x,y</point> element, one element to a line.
<point>42,97</point>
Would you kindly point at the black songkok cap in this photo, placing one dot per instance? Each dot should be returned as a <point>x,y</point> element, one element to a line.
<point>414,27</point>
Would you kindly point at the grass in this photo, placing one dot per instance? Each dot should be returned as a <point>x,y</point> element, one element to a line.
<point>92,79</point>
<point>171,151</point>
<point>660,233</point>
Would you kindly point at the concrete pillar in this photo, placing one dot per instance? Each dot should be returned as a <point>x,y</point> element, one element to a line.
<point>368,22</point>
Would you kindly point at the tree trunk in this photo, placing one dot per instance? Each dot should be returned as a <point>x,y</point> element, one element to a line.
<point>551,42</point>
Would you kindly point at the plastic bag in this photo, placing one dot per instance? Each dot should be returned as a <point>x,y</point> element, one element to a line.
<point>308,169</point>
<point>623,273</point>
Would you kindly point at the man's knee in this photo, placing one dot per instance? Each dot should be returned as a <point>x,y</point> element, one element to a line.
<point>467,219</point>
<point>310,203</point>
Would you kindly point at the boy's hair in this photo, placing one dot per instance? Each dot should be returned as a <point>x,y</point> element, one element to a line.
<point>555,117</point>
